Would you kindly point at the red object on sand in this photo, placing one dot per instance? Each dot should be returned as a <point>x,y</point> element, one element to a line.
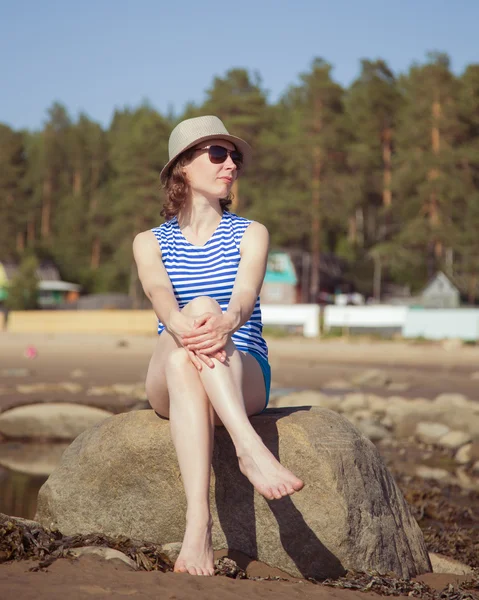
<point>30,352</point>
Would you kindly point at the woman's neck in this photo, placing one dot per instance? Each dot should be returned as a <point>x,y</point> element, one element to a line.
<point>200,213</point>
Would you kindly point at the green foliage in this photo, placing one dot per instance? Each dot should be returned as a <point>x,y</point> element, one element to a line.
<point>22,290</point>
<point>395,158</point>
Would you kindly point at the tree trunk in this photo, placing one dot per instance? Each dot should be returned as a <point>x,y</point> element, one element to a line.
<point>315,283</point>
<point>387,175</point>
<point>45,228</point>
<point>77,183</point>
<point>377,278</point>
<point>95,253</point>
<point>472,288</point>
<point>20,241</point>
<point>315,226</point>
<point>352,230</point>
<point>434,216</point>
<point>30,231</point>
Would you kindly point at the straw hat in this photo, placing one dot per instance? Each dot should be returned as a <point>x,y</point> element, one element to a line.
<point>191,132</point>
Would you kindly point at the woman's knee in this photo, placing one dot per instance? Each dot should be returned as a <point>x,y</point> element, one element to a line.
<point>177,360</point>
<point>202,304</point>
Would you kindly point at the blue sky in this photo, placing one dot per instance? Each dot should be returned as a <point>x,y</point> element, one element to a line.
<point>96,55</point>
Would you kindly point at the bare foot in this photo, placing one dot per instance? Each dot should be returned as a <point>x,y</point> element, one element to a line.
<point>196,556</point>
<point>267,475</point>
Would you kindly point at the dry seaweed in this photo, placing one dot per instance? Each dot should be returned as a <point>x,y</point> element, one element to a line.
<point>19,541</point>
<point>393,586</point>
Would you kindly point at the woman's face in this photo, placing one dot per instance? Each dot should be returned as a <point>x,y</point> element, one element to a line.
<point>207,178</point>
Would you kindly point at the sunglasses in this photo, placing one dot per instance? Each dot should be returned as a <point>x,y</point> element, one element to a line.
<point>218,155</point>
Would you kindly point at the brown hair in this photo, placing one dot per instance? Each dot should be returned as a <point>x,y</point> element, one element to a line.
<point>177,188</point>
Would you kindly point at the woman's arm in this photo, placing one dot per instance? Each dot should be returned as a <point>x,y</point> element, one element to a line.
<point>214,330</point>
<point>249,279</point>
<point>153,276</point>
<point>157,287</point>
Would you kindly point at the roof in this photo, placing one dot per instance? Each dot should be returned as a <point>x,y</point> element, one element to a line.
<point>58,286</point>
<point>47,271</point>
<point>280,268</point>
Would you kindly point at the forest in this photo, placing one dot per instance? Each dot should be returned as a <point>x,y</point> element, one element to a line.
<point>383,174</point>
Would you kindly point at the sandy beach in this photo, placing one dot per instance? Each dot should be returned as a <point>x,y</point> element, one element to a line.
<point>102,361</point>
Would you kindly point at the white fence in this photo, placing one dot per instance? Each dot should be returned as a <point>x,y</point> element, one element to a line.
<point>432,324</point>
<point>381,316</point>
<point>456,323</point>
<point>306,315</point>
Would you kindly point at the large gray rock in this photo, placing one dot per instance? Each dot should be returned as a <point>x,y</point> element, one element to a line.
<point>121,477</point>
<point>58,420</point>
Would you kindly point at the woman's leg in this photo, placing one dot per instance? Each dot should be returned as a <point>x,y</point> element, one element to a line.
<point>236,390</point>
<point>174,390</point>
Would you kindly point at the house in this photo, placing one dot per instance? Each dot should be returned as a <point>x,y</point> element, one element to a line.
<point>440,292</point>
<point>279,286</point>
<point>52,291</point>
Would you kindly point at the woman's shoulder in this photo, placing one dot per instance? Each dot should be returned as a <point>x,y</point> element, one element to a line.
<point>164,227</point>
<point>243,223</point>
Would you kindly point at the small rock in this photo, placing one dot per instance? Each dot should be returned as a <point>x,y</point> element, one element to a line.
<point>100,391</point>
<point>172,550</point>
<point>444,564</point>
<point>354,402</point>
<point>454,439</point>
<point>431,473</point>
<point>430,433</point>
<point>77,373</point>
<point>452,344</point>
<point>398,386</point>
<point>338,384</point>
<point>372,430</point>
<point>122,344</point>
<point>306,398</point>
<point>362,415</point>
<point>15,372</point>
<point>464,479</point>
<point>105,553</point>
<point>387,422</point>
<point>372,378</point>
<point>377,404</point>
<point>451,400</point>
<point>69,386</point>
<point>463,455</point>
<point>32,388</point>
<point>124,389</point>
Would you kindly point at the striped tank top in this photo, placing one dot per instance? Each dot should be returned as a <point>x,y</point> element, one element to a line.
<point>210,270</point>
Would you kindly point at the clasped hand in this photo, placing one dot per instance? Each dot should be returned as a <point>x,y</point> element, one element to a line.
<point>204,337</point>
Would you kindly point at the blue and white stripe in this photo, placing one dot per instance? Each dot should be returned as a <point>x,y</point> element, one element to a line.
<point>210,270</point>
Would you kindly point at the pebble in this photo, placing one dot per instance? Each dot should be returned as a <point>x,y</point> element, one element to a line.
<point>463,455</point>
<point>15,372</point>
<point>354,402</point>
<point>455,439</point>
<point>430,433</point>
<point>372,378</point>
<point>431,473</point>
<point>451,400</point>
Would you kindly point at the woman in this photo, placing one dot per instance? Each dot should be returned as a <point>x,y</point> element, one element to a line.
<point>203,270</point>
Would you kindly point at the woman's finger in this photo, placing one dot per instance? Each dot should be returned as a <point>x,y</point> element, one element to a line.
<point>206,359</point>
<point>194,360</point>
<point>217,347</point>
<point>197,334</point>
<point>195,339</point>
<point>201,346</point>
